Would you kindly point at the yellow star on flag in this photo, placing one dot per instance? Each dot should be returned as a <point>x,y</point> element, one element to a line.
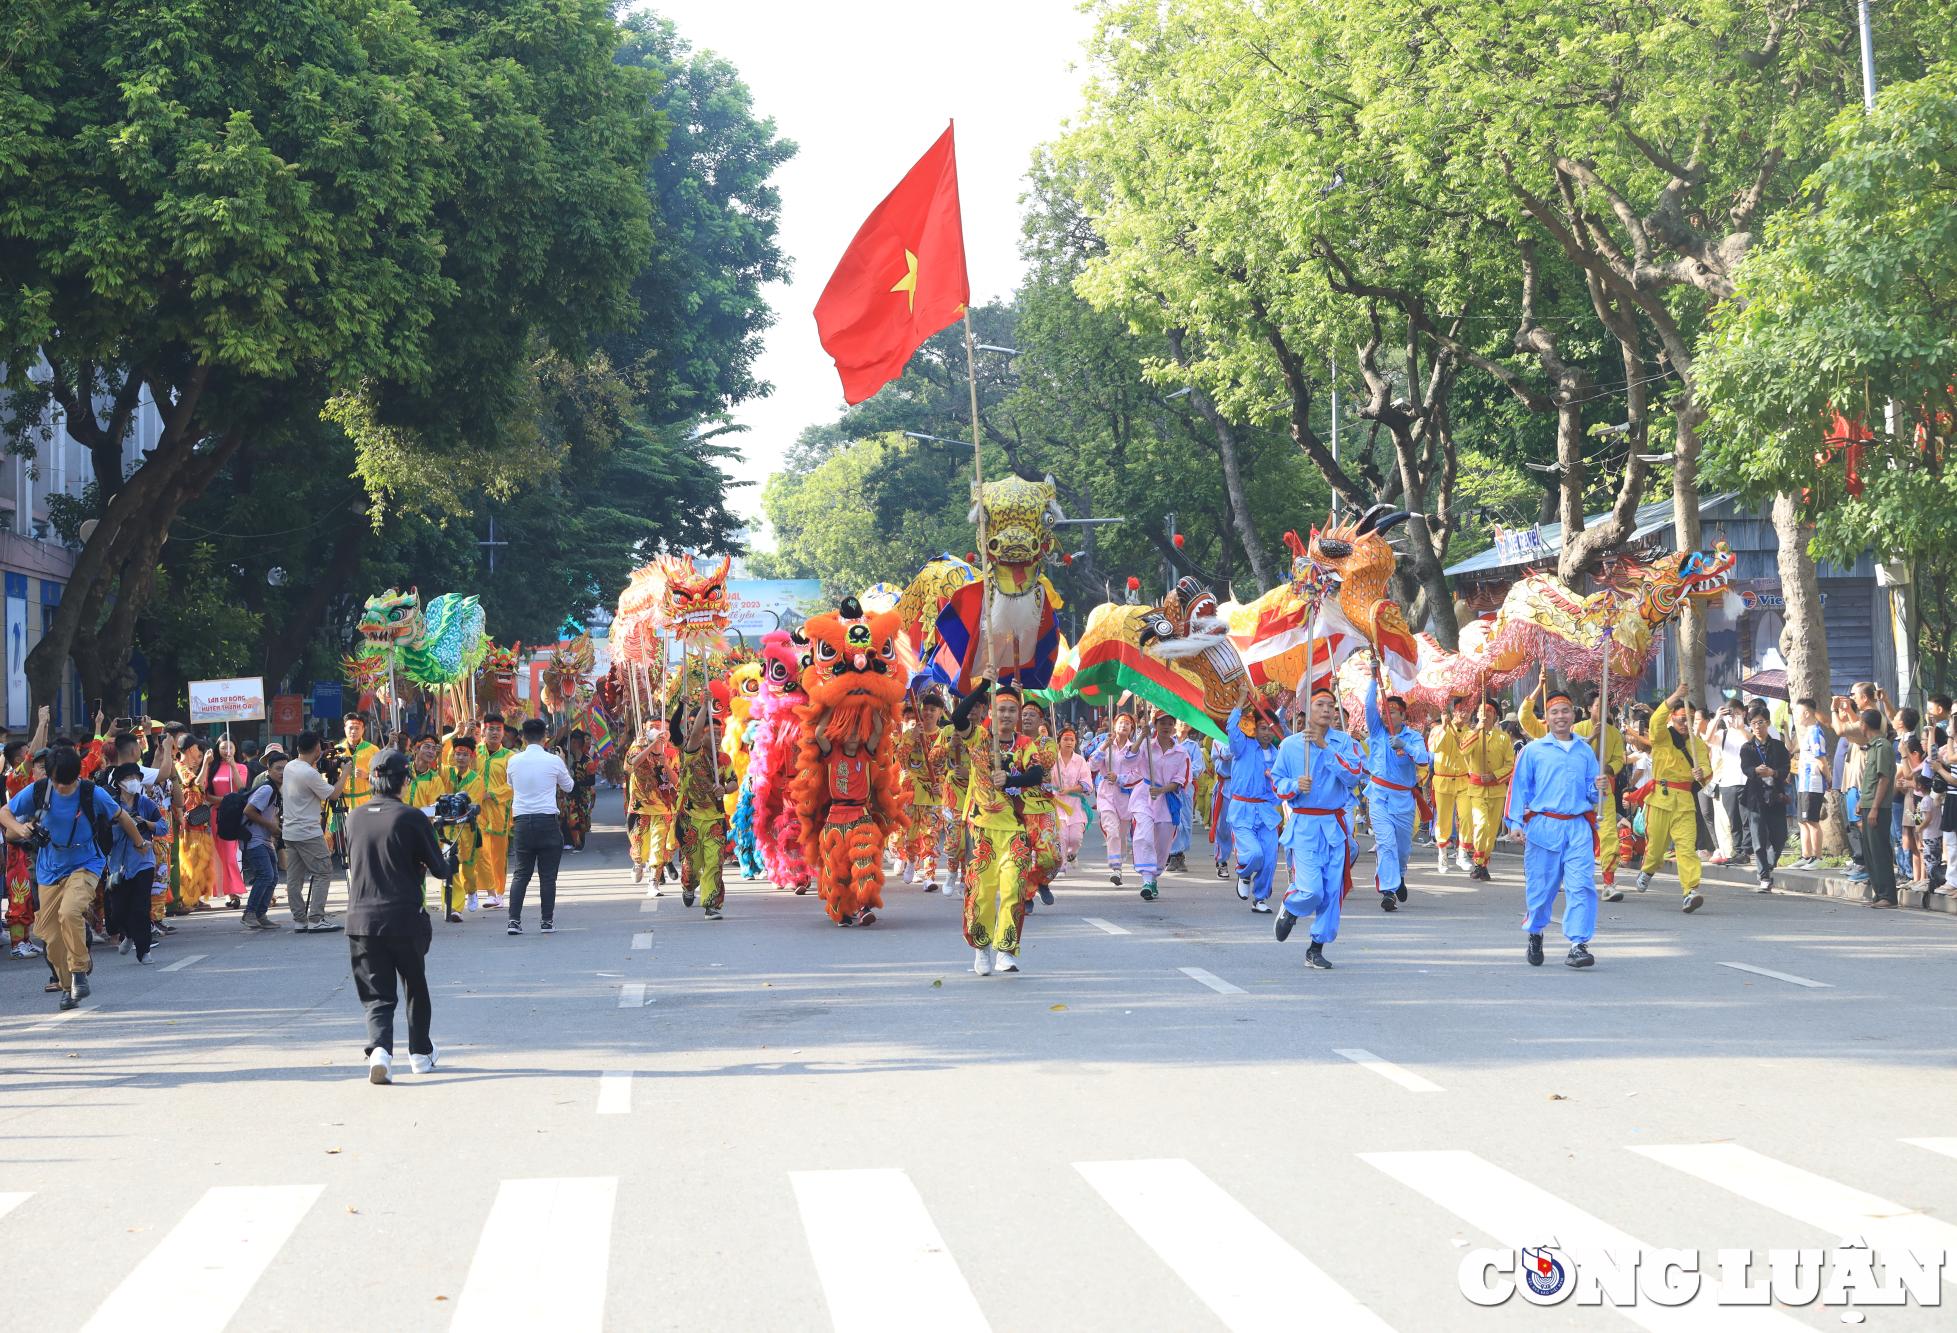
<point>908,283</point>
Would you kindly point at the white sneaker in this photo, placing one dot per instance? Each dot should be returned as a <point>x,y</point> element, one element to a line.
<point>424,1064</point>
<point>470,905</point>
<point>982,962</point>
<point>492,902</point>
<point>910,874</point>
<point>1005,962</point>
<point>20,949</point>
<point>380,1066</point>
<point>1440,862</point>
<point>1461,859</point>
<point>1644,882</point>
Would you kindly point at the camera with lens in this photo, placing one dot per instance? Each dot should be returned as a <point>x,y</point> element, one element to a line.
<point>332,759</point>
<point>454,808</point>
<point>38,837</point>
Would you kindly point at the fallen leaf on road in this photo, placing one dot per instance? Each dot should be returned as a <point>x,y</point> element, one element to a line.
<point>939,982</point>
<point>1557,1097</point>
<point>331,1151</point>
<point>1056,1008</point>
<point>352,1209</point>
<point>441,1298</point>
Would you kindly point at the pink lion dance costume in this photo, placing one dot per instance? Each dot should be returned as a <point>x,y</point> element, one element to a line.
<point>784,656</point>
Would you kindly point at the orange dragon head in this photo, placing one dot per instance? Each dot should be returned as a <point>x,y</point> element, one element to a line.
<point>856,674</point>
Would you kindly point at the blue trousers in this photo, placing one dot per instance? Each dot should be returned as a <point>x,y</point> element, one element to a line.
<point>1392,813</point>
<point>1256,855</point>
<point>1318,890</point>
<point>1561,855</point>
<point>1222,830</point>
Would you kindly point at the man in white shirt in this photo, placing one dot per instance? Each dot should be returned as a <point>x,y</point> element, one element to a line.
<point>308,864</point>
<point>536,776</point>
<point>1728,737</point>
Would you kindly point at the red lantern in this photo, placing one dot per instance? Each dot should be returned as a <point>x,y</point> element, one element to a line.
<point>971,557</point>
<point>1067,558</point>
<point>1134,584</point>
<point>1177,539</point>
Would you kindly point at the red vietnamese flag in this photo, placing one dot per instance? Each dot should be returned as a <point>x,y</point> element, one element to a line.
<point>901,280</point>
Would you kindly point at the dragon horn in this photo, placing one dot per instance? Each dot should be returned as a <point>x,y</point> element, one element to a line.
<point>1292,540</point>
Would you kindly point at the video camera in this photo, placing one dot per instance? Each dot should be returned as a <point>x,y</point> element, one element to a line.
<point>332,759</point>
<point>454,809</point>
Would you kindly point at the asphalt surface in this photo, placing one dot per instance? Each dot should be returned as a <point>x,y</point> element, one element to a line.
<point>1166,1122</point>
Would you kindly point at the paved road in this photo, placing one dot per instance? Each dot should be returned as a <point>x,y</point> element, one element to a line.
<point>652,1121</point>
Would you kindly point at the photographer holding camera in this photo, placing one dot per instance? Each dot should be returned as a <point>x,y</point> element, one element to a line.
<point>308,862</point>
<point>66,820</point>
<point>391,847</point>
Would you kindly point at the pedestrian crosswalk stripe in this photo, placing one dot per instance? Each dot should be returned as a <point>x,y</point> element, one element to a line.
<point>1948,1147</point>
<point>1392,1073</point>
<point>9,1202</point>
<point>642,939</point>
<point>615,1092</point>
<point>1780,976</point>
<point>1518,1214</point>
<point>1816,1200</point>
<point>632,995</point>
<point>1108,926</point>
<point>542,1258</point>
<point>1210,979</point>
<point>1246,1273</point>
<point>884,1267</point>
<point>200,1273</point>
<point>182,963</point>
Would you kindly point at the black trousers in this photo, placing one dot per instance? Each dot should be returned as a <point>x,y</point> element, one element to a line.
<point>379,961</point>
<point>1881,854</point>
<point>536,842</point>
<point>1769,830</point>
<point>1729,797</point>
<point>129,909</point>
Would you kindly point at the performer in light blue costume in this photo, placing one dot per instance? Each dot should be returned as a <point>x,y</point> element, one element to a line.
<point>1222,839</point>
<point>1318,773</point>
<point>1394,754</point>
<point>1186,810</point>
<point>1252,810</point>
<point>1553,800</point>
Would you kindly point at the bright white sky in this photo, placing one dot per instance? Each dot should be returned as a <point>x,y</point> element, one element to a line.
<point>864,87</point>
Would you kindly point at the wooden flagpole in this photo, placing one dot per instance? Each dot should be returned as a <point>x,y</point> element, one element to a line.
<point>982,652</point>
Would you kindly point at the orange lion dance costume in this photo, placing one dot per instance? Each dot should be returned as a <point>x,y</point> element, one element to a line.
<point>848,791</point>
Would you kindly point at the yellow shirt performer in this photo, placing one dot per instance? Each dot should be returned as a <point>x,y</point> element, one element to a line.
<point>493,868</point>
<point>360,761</point>
<point>427,780</point>
<point>464,773</point>
<point>1001,857</point>
<point>917,758</point>
<point>1533,727</point>
<point>1453,817</point>
<point>1679,764</point>
<point>652,774</point>
<point>1489,755</point>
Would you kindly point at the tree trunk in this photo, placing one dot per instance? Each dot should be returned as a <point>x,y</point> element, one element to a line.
<point>1686,533</point>
<point>1806,635</point>
<point>1233,485</point>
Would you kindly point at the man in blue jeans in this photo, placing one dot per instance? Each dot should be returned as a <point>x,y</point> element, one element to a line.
<point>259,857</point>
<point>536,777</point>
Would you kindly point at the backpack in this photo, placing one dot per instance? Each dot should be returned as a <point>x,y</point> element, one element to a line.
<point>85,789</point>
<point>230,818</point>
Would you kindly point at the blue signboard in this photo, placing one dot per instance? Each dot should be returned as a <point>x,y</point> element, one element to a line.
<point>327,700</point>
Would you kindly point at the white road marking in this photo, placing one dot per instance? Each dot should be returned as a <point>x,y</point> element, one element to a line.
<point>1948,1147</point>
<point>1108,926</point>
<point>1780,976</point>
<point>200,1273</point>
<point>1245,1272</point>
<point>541,1259</point>
<point>615,1092</point>
<point>182,963</point>
<point>642,940</point>
<point>914,1282</point>
<point>1518,1214</point>
<point>1210,979</point>
<point>1816,1200</point>
<point>632,995</point>
<point>9,1202</point>
<point>1392,1073</point>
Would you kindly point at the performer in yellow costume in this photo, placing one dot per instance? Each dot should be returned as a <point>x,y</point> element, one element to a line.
<point>1490,758</point>
<point>1001,858</point>
<point>1533,727</point>
<point>919,761</point>
<point>1679,764</point>
<point>360,761</point>
<point>426,781</point>
<point>492,866</point>
<point>1453,817</point>
<point>464,773</point>
<point>652,772</point>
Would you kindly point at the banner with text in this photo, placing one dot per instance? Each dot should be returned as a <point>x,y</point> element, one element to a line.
<point>241,699</point>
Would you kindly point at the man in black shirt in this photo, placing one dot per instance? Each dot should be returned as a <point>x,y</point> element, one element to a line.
<point>390,848</point>
<point>1765,761</point>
